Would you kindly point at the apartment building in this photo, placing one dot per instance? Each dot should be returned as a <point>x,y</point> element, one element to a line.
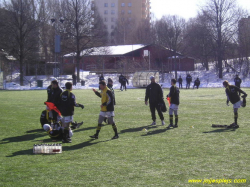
<point>113,10</point>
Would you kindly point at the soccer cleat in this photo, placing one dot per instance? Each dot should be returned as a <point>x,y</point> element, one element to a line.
<point>170,125</point>
<point>175,126</point>
<point>154,123</point>
<point>94,136</point>
<point>66,140</point>
<point>162,122</point>
<point>115,137</point>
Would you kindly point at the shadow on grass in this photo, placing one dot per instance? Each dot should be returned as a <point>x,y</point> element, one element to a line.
<point>85,129</point>
<point>220,130</point>
<point>22,152</point>
<point>137,129</point>
<point>158,131</point>
<point>26,137</point>
<point>35,130</point>
<point>83,144</point>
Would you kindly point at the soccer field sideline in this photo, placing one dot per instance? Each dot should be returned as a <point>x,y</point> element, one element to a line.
<point>158,157</point>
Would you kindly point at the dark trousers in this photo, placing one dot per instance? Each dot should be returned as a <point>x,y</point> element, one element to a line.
<point>154,106</point>
<point>123,86</point>
<point>188,85</point>
<point>180,84</point>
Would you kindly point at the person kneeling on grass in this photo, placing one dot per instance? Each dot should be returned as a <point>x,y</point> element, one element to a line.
<point>232,93</point>
<point>67,104</point>
<point>174,103</point>
<point>107,109</point>
<point>57,133</point>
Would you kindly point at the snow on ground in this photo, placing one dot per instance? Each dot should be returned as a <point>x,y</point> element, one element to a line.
<point>209,79</point>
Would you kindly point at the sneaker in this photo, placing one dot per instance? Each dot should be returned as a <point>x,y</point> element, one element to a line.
<point>154,123</point>
<point>79,124</point>
<point>94,136</point>
<point>115,137</point>
<point>162,122</point>
<point>175,126</point>
<point>170,125</point>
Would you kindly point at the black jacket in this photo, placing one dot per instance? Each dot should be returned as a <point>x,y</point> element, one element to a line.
<point>67,103</point>
<point>232,93</point>
<point>154,93</point>
<point>124,80</point>
<point>174,95</point>
<point>49,93</point>
<point>180,80</point>
<point>197,82</point>
<point>56,93</point>
<point>237,82</point>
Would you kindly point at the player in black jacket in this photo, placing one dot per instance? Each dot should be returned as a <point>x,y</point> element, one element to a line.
<point>67,105</point>
<point>154,95</point>
<point>188,80</point>
<point>196,83</point>
<point>237,81</point>
<point>180,82</point>
<point>174,103</point>
<point>232,93</point>
<point>54,91</point>
<point>124,82</point>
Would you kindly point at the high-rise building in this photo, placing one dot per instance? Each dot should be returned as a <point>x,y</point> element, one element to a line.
<point>244,35</point>
<point>113,11</point>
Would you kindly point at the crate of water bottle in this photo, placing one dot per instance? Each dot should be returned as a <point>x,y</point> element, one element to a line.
<point>47,148</point>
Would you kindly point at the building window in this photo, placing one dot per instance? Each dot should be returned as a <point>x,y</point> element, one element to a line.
<point>106,5</point>
<point>105,12</point>
<point>130,12</point>
<point>112,26</point>
<point>112,19</point>
<point>112,12</point>
<point>123,12</point>
<point>123,4</point>
<point>105,19</point>
<point>129,4</point>
<point>112,4</point>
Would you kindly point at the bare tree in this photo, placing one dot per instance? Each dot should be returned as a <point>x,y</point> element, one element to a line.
<point>143,33</point>
<point>20,26</point>
<point>223,17</point>
<point>198,41</point>
<point>169,31</point>
<point>83,28</point>
<point>244,43</point>
<point>123,32</point>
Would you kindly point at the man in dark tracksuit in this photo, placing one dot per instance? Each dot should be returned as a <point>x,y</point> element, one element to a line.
<point>124,81</point>
<point>107,109</point>
<point>232,93</point>
<point>67,104</point>
<point>188,80</point>
<point>174,103</point>
<point>180,82</point>
<point>154,95</point>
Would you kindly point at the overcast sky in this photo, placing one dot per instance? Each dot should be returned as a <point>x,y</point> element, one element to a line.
<point>183,8</point>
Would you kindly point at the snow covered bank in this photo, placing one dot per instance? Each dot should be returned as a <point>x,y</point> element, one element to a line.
<point>209,79</point>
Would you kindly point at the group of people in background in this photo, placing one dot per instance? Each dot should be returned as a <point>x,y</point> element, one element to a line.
<point>197,82</point>
<point>188,82</point>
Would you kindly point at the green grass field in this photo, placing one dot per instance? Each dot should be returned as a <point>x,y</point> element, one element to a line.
<point>158,157</point>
